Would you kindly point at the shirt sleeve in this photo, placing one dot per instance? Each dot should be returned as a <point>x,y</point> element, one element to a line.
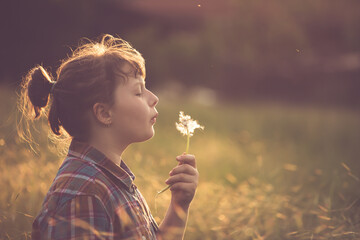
<point>82,217</point>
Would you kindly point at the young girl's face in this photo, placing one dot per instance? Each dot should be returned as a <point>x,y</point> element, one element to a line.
<point>133,112</point>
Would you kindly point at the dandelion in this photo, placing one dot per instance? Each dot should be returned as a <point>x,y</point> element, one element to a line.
<point>186,126</point>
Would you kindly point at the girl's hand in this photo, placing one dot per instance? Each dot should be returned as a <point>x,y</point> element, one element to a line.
<point>183,180</point>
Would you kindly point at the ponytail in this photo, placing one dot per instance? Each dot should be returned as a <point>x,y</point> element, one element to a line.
<point>34,103</point>
<point>39,84</point>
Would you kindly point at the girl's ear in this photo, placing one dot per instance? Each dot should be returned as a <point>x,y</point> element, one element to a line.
<point>102,113</point>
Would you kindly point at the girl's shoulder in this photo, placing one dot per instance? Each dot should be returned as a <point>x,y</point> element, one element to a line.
<point>77,177</point>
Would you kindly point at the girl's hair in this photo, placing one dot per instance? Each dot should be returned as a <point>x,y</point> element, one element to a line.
<point>86,77</point>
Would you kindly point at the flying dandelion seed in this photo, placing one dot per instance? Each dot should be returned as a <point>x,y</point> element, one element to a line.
<point>346,167</point>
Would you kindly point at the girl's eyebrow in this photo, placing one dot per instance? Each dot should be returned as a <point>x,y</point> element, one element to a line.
<point>142,83</point>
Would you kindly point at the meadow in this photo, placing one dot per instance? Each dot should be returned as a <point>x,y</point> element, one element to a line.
<point>267,171</point>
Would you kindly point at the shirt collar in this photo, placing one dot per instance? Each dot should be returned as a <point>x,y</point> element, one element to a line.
<point>89,153</point>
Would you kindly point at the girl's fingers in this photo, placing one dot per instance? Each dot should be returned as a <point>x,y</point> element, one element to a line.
<point>181,177</point>
<point>184,168</point>
<point>187,159</point>
<point>184,186</point>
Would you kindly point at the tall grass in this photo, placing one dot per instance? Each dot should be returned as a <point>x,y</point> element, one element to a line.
<point>266,171</point>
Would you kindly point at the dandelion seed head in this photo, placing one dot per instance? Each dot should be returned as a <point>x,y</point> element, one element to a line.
<point>187,125</point>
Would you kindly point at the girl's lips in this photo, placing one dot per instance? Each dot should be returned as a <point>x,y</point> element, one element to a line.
<point>153,119</point>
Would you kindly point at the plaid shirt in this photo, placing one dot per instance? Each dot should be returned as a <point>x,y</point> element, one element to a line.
<point>93,198</point>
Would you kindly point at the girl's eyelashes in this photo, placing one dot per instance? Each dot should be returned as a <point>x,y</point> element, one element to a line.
<point>140,91</point>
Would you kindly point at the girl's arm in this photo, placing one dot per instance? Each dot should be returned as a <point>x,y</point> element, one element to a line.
<point>183,180</point>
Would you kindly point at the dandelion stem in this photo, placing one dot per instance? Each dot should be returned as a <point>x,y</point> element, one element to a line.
<point>187,142</point>
<point>164,189</point>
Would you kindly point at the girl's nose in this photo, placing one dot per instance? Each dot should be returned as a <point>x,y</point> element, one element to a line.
<point>154,100</point>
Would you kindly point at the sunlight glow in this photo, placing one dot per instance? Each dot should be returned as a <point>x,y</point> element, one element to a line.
<point>100,49</point>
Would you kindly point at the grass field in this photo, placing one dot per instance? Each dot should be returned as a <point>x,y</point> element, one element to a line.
<point>267,171</point>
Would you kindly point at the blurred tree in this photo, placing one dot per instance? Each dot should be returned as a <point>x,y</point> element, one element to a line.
<point>304,51</point>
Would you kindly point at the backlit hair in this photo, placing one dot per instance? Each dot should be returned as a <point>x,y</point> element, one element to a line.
<point>86,77</point>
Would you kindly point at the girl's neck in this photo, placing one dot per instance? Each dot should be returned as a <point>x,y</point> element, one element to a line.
<point>109,148</point>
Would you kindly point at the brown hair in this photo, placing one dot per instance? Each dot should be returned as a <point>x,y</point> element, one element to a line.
<point>86,77</point>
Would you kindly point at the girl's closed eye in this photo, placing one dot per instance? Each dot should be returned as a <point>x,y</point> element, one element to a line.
<point>138,92</point>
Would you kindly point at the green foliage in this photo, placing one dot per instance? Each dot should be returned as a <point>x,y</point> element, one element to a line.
<point>267,171</point>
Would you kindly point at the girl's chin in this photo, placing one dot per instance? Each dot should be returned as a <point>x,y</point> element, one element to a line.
<point>146,137</point>
<point>151,134</point>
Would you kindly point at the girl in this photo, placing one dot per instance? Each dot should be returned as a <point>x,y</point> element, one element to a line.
<point>99,98</point>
